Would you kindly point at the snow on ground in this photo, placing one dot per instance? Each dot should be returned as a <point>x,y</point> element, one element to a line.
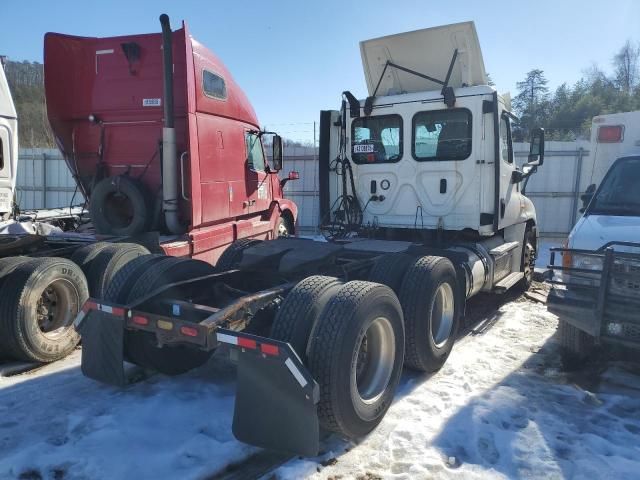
<point>499,408</point>
<point>57,424</point>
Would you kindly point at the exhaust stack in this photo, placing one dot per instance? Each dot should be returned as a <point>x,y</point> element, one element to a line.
<point>169,156</point>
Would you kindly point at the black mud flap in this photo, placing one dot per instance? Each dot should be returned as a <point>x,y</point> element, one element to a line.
<point>276,399</point>
<point>102,347</point>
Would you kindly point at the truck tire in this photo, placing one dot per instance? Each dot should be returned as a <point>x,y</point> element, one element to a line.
<point>428,298</point>
<point>119,206</point>
<point>123,281</point>
<point>528,263</point>
<point>8,265</point>
<point>300,310</point>
<point>283,228</point>
<point>83,256</point>
<point>141,347</point>
<point>355,354</point>
<point>38,305</point>
<point>107,263</point>
<point>231,257</point>
<point>575,345</point>
<point>390,269</point>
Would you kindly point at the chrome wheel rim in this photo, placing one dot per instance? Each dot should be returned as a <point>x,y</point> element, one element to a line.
<point>373,365</point>
<point>442,312</point>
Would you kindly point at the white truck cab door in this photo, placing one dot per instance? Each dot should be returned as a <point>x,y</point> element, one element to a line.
<point>7,175</point>
<point>509,192</point>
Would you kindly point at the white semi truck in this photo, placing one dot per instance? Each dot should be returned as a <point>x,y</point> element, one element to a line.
<point>8,145</point>
<point>423,208</point>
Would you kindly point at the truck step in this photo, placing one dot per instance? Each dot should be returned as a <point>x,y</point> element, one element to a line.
<point>507,282</point>
<point>504,248</point>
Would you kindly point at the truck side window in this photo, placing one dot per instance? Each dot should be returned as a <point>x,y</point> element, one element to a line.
<point>442,135</point>
<point>377,139</point>
<point>255,154</point>
<point>506,150</point>
<point>1,155</point>
<point>213,85</point>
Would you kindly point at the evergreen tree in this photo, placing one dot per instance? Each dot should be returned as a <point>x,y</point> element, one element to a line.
<point>531,102</point>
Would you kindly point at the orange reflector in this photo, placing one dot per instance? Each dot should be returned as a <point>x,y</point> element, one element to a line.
<point>164,325</point>
<point>189,331</point>
<point>269,349</point>
<point>247,343</point>
<point>139,320</point>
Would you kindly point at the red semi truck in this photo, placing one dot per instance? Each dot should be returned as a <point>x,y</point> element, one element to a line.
<point>175,149</point>
<point>167,149</point>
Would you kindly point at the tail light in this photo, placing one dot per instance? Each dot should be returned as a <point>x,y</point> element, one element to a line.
<point>189,331</point>
<point>610,133</point>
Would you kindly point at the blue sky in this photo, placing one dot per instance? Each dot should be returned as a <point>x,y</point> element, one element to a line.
<point>293,58</point>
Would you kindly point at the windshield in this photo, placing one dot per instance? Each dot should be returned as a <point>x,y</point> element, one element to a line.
<point>619,193</point>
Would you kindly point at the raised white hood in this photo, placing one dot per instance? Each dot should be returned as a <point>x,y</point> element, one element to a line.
<point>428,51</point>
<point>7,109</point>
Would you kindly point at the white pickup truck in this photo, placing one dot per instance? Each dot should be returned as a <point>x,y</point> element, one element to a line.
<point>597,295</point>
<point>8,145</point>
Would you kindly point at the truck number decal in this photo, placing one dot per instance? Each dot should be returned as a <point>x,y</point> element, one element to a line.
<point>151,102</point>
<point>367,148</point>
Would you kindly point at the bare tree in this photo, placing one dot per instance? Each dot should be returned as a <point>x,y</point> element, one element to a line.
<point>626,65</point>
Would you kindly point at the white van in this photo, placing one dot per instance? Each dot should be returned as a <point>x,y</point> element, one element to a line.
<point>8,145</point>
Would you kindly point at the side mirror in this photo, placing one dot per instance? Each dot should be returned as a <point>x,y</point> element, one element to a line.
<point>277,153</point>
<point>587,196</point>
<point>536,148</point>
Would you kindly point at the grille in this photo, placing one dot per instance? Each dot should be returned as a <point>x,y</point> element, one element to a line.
<point>631,331</point>
<point>625,286</point>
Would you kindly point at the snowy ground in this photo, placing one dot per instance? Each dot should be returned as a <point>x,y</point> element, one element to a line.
<point>499,408</point>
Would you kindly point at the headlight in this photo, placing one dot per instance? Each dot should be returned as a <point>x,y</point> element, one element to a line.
<point>588,262</point>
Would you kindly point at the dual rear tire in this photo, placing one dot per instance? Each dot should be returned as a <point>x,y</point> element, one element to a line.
<point>354,337</point>
<point>139,278</point>
<point>351,337</point>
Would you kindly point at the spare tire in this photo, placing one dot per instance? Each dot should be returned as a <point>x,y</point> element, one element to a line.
<point>119,206</point>
<point>38,303</point>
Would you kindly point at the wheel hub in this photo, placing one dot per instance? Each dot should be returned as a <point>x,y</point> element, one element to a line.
<point>442,313</point>
<point>56,308</point>
<point>372,370</point>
